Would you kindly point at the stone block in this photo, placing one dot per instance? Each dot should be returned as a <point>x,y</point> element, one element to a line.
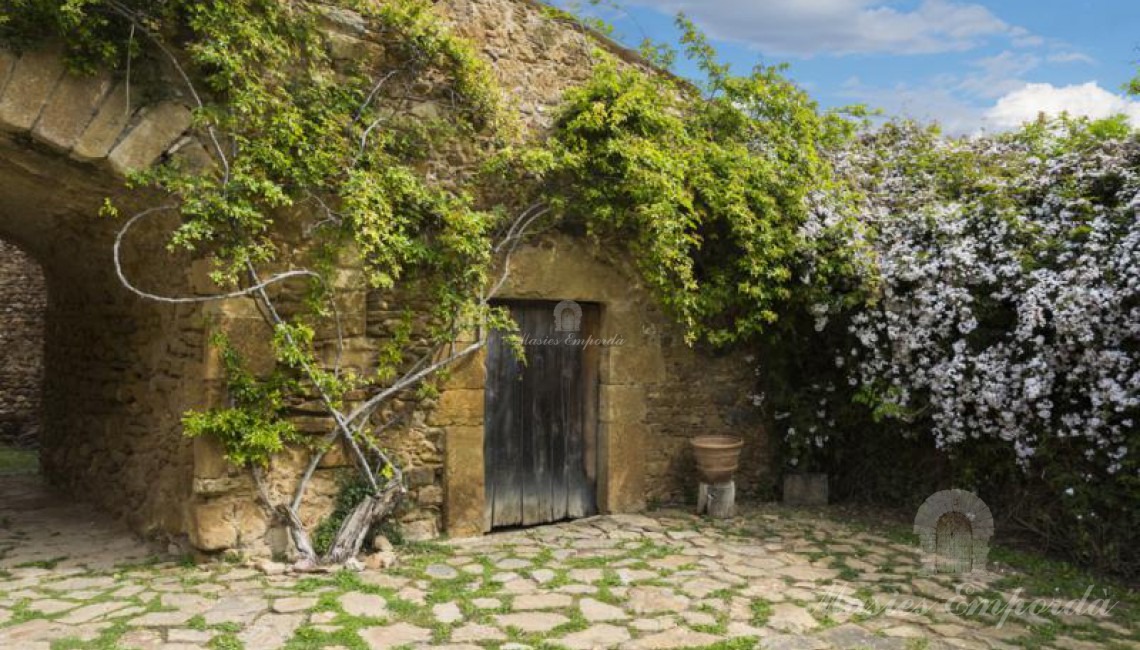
<point>7,62</point>
<point>624,321</point>
<point>336,456</point>
<point>252,522</point>
<point>470,373</point>
<point>213,487</point>
<point>209,460</point>
<point>192,156</point>
<point>463,406</point>
<point>464,497</point>
<point>420,476</point>
<point>30,83</point>
<point>621,403</point>
<point>160,127</point>
<point>252,339</point>
<point>70,108</point>
<point>622,466</point>
<point>213,528</point>
<point>431,495</point>
<point>199,277</point>
<point>633,364</point>
<point>419,530</point>
<point>805,489</point>
<point>566,268</point>
<point>104,129</point>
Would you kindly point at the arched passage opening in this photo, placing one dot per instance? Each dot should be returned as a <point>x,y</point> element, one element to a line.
<point>115,372</point>
<point>23,301</point>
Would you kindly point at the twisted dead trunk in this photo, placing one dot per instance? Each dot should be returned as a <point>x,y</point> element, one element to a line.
<point>350,536</point>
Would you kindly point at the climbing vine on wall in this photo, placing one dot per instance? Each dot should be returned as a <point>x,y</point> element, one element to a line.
<point>706,186</point>
<point>709,186</point>
<point>291,131</point>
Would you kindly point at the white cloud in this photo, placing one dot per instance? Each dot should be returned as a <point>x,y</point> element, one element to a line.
<point>809,27</point>
<point>998,75</point>
<point>1071,57</point>
<point>1085,100</point>
<point>927,103</point>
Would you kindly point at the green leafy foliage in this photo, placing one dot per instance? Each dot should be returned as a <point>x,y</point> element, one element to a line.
<point>710,191</point>
<point>352,491</point>
<point>252,429</point>
<point>303,143</point>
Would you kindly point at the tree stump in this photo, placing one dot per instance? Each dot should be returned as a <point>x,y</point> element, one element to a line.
<point>717,500</point>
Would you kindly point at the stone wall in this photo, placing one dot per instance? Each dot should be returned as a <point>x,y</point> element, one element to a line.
<point>703,393</point>
<point>118,370</point>
<point>656,392</point>
<point>23,299</point>
<point>119,373</point>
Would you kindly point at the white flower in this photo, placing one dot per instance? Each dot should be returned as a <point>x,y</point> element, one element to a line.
<point>1060,357</point>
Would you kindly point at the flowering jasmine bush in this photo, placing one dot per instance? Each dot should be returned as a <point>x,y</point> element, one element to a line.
<point>1004,316</point>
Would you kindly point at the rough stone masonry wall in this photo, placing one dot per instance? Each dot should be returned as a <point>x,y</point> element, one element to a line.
<point>535,59</point>
<point>23,298</point>
<point>119,374</point>
<point>702,394</point>
<point>438,441</point>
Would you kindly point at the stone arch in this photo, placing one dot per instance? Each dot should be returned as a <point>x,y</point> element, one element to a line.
<point>65,143</point>
<point>118,370</point>
<point>945,514</point>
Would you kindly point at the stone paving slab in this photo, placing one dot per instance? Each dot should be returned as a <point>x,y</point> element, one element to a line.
<point>772,578</point>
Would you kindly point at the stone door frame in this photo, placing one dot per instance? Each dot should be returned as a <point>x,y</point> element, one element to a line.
<point>561,268</point>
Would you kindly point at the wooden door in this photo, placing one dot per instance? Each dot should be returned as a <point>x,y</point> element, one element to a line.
<point>540,426</point>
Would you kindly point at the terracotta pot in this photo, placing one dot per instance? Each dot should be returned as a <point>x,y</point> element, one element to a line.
<point>717,457</point>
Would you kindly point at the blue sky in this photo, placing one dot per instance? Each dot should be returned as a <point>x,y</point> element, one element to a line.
<point>973,65</point>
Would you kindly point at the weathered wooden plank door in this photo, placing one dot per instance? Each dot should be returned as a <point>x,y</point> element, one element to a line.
<point>540,438</point>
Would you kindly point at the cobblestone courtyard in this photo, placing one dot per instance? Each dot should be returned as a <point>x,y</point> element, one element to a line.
<point>772,578</point>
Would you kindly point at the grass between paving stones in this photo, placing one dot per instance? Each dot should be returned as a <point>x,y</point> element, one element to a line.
<point>846,572</point>
<point>577,623</point>
<point>463,590</point>
<point>1037,577</point>
<point>108,639</point>
<point>1031,576</point>
<point>605,587</point>
<point>460,590</point>
<point>721,616</point>
<point>742,643</point>
<point>226,641</point>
